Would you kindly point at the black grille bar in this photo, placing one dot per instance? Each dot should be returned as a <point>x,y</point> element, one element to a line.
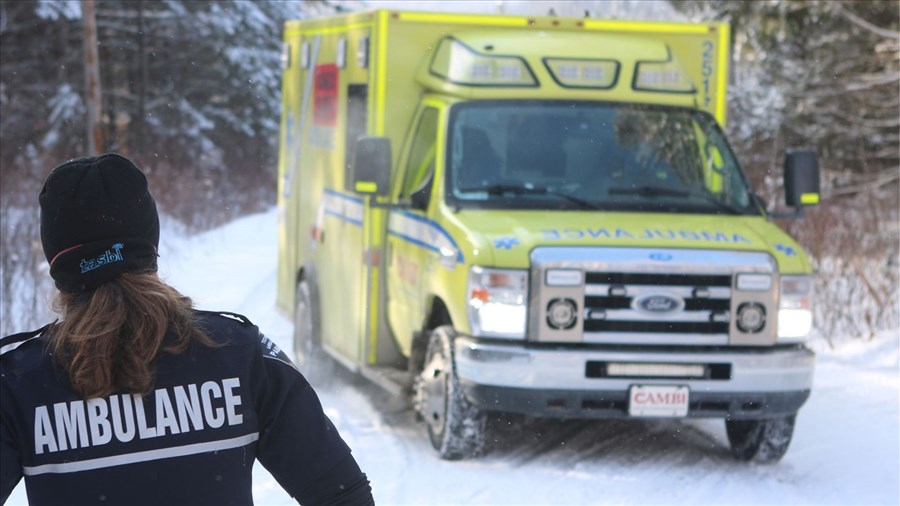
<point>600,302</point>
<point>624,278</point>
<point>707,304</point>
<point>592,301</point>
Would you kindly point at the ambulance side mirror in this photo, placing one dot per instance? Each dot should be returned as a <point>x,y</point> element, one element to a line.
<point>801,182</point>
<point>801,178</point>
<point>371,172</point>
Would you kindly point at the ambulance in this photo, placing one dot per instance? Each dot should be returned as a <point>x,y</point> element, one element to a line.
<point>540,216</point>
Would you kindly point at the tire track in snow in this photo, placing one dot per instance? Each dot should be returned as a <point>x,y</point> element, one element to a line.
<point>627,442</point>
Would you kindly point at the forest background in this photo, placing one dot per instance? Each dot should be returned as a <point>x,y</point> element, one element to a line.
<point>191,91</point>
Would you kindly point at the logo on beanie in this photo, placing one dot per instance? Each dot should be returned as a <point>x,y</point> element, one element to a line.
<point>107,257</point>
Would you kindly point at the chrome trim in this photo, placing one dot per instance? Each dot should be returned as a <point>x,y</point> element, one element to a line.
<point>654,338</point>
<point>684,292</point>
<point>630,315</point>
<point>775,370</point>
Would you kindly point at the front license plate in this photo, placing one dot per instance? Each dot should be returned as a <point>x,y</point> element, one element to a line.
<point>658,400</point>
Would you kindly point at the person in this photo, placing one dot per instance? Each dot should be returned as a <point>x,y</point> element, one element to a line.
<point>135,397</point>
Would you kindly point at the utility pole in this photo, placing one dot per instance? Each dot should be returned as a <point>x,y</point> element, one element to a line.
<point>92,100</point>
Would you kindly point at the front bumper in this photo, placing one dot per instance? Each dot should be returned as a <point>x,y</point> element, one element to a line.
<point>555,381</point>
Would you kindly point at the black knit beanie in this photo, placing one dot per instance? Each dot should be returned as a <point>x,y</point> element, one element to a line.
<point>98,220</point>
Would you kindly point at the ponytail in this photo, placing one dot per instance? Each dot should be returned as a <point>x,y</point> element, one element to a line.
<point>109,338</point>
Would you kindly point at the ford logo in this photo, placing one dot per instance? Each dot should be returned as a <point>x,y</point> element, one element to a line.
<point>659,303</point>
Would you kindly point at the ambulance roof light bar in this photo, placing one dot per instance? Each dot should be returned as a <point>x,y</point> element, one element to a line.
<point>666,76</point>
<point>458,63</point>
<point>583,73</point>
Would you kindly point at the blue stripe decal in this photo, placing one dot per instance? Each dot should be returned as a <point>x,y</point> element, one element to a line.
<point>428,236</point>
<point>342,206</point>
<point>344,218</point>
<point>347,196</point>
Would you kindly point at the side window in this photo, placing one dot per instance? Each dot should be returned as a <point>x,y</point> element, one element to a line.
<point>711,161</point>
<point>420,163</point>
<point>721,174</point>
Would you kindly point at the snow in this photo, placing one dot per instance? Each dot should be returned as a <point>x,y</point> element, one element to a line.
<point>54,9</point>
<point>66,105</point>
<point>846,448</point>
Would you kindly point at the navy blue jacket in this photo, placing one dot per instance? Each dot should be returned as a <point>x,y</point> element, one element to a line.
<point>191,441</point>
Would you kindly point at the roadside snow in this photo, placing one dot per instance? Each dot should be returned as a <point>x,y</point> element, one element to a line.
<point>846,448</point>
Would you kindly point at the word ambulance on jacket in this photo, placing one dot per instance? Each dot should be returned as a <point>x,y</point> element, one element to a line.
<point>180,409</point>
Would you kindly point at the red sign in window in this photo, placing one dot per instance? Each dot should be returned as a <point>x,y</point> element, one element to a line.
<point>325,95</point>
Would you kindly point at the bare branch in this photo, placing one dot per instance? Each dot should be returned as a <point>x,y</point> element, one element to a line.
<point>866,186</point>
<point>858,21</point>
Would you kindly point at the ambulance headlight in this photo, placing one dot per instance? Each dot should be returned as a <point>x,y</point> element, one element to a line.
<point>498,302</point>
<point>795,309</point>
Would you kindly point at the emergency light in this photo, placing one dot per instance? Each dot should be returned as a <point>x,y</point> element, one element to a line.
<point>662,76</point>
<point>458,63</point>
<point>572,73</point>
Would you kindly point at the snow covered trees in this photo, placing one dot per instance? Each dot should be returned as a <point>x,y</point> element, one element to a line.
<point>190,90</point>
<point>816,73</point>
<point>825,74</point>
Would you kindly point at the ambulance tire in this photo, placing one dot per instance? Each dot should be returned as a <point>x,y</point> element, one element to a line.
<point>315,365</point>
<point>763,440</point>
<point>456,427</point>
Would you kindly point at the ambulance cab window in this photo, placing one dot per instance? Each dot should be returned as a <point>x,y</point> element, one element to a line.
<point>420,162</point>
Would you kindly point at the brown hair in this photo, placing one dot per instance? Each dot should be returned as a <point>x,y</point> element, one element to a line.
<point>109,338</point>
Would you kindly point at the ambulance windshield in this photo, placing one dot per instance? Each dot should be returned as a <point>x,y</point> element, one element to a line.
<point>538,155</point>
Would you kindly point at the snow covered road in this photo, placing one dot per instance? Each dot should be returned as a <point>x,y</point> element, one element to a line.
<point>846,448</point>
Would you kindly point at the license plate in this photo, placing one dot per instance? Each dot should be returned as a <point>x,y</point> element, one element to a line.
<point>658,400</point>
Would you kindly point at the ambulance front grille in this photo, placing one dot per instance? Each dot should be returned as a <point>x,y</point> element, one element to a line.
<point>619,308</point>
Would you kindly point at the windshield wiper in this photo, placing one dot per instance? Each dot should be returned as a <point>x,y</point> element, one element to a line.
<point>649,191</point>
<point>528,189</point>
<point>662,191</point>
<point>722,206</point>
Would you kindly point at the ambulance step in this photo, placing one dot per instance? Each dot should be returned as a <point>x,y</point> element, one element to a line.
<point>394,381</point>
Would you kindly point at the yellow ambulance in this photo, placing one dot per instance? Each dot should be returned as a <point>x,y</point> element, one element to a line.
<point>536,215</point>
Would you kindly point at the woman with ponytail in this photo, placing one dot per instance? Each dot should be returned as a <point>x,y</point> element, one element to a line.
<point>135,397</point>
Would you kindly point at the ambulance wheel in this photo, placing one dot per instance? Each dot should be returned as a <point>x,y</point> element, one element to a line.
<point>312,361</point>
<point>456,427</point>
<point>764,440</point>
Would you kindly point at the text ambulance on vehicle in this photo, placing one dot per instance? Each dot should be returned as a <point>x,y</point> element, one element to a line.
<point>537,216</point>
